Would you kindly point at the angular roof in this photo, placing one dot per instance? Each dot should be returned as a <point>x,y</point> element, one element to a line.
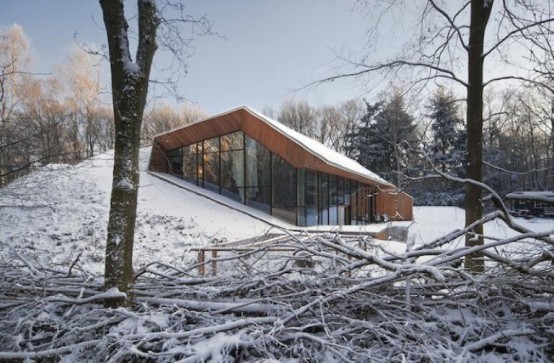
<point>295,148</point>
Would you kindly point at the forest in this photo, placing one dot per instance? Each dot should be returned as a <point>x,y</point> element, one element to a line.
<point>64,117</point>
<point>443,130</point>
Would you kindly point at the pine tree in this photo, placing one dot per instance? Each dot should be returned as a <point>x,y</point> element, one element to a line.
<point>368,146</point>
<point>447,148</point>
<point>385,137</point>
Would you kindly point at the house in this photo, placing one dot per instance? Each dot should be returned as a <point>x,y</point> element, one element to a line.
<point>538,203</point>
<point>252,159</point>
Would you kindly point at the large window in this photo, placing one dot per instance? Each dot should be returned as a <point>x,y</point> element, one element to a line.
<point>333,200</point>
<point>234,141</point>
<point>175,162</point>
<point>362,203</point>
<point>310,197</point>
<point>211,164</point>
<point>257,175</point>
<point>323,198</point>
<point>190,163</point>
<point>284,190</point>
<point>232,165</point>
<point>232,174</point>
<point>237,166</point>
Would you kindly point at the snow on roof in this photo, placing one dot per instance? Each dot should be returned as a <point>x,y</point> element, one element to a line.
<point>310,145</point>
<point>533,195</point>
<point>330,156</point>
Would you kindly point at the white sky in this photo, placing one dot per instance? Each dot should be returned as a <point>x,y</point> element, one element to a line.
<point>272,48</point>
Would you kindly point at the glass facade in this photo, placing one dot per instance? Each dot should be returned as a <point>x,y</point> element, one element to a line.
<point>284,188</point>
<point>257,175</point>
<point>240,168</point>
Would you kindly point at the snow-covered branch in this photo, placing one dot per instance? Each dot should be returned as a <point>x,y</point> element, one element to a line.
<point>328,297</point>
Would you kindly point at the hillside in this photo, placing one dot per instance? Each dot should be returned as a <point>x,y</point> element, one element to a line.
<point>389,304</point>
<point>60,212</point>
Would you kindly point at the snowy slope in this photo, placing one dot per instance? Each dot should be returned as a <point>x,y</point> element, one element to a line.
<point>60,212</point>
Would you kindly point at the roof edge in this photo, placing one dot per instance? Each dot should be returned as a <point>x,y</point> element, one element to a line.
<point>244,107</point>
<point>268,121</point>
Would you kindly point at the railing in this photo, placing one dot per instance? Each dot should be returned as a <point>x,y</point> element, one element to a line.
<point>240,247</point>
<point>294,247</point>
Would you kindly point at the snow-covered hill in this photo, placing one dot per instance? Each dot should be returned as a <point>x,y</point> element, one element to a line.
<point>60,212</point>
<point>56,218</point>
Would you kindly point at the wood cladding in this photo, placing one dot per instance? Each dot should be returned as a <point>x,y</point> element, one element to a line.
<point>293,152</point>
<point>289,150</point>
<point>212,127</point>
<point>158,160</point>
<point>396,205</point>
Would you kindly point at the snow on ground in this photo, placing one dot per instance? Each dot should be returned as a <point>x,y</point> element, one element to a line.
<point>60,212</point>
<point>433,222</point>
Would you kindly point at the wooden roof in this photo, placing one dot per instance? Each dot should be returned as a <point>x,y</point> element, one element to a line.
<point>294,148</point>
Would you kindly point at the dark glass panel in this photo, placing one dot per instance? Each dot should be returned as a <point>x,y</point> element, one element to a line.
<point>310,199</point>
<point>211,171</point>
<point>323,199</point>
<point>333,200</point>
<point>348,207</point>
<point>175,162</point>
<point>340,190</point>
<point>360,201</point>
<point>200,171</point>
<point>284,190</point>
<point>354,202</point>
<point>347,191</point>
<point>190,163</point>
<point>258,175</point>
<point>301,195</point>
<point>237,194</point>
<point>371,202</point>
<point>259,198</point>
<point>232,173</point>
<point>211,145</point>
<point>258,164</point>
<point>234,141</point>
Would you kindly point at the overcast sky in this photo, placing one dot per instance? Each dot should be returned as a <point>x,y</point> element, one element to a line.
<point>272,48</point>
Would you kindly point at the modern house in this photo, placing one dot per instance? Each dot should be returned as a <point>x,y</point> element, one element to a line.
<point>252,159</point>
<point>539,203</point>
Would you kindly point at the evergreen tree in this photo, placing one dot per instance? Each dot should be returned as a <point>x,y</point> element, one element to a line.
<point>447,148</point>
<point>368,147</point>
<point>385,137</point>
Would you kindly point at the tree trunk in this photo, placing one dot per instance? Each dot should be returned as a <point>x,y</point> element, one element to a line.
<point>129,91</point>
<point>550,151</point>
<point>480,13</point>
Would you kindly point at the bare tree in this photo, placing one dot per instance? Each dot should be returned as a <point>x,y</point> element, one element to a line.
<point>352,111</point>
<point>14,59</point>
<point>81,76</point>
<point>299,116</point>
<point>130,80</point>
<point>449,35</point>
<point>129,90</point>
<point>517,140</point>
<point>331,127</point>
<point>164,118</point>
